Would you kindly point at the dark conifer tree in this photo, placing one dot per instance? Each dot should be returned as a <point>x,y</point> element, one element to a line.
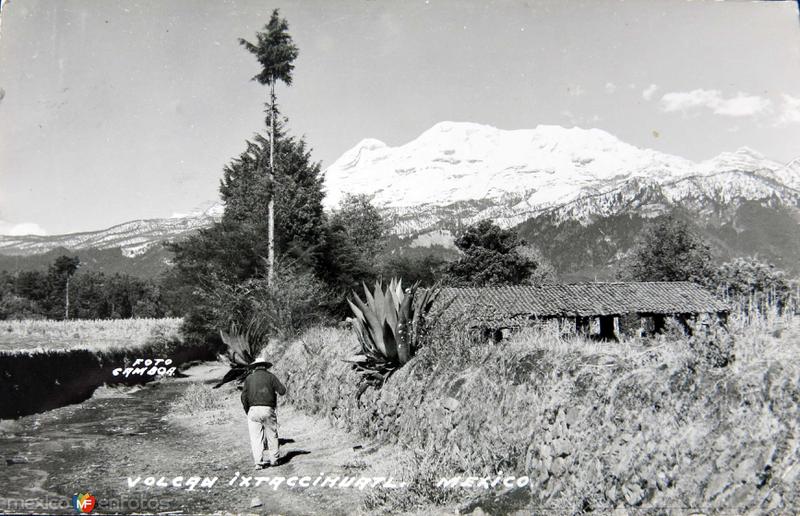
<point>276,53</point>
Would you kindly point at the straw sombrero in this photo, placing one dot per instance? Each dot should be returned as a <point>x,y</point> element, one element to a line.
<point>261,360</point>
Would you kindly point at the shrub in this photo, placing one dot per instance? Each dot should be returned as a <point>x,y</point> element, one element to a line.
<point>753,283</point>
<point>491,256</point>
<point>427,269</point>
<point>198,398</point>
<point>295,301</point>
<point>668,250</point>
<point>641,424</point>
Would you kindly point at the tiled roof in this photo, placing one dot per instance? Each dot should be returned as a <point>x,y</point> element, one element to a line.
<point>579,299</point>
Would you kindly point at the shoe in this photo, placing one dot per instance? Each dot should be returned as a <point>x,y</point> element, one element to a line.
<point>261,465</point>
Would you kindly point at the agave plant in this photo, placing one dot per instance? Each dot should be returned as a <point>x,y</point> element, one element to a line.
<point>243,346</point>
<point>388,326</point>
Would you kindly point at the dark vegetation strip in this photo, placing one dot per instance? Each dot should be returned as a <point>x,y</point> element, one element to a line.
<point>35,382</point>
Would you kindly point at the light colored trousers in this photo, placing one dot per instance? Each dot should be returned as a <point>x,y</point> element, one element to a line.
<point>263,425</point>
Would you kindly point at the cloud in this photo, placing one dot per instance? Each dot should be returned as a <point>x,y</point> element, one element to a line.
<point>575,90</point>
<point>611,87</point>
<point>25,228</point>
<point>581,121</point>
<point>790,110</point>
<point>648,92</point>
<point>737,106</point>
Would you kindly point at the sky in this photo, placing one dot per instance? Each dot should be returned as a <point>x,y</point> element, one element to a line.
<point>112,111</point>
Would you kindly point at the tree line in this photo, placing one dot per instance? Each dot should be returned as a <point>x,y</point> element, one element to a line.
<point>64,292</point>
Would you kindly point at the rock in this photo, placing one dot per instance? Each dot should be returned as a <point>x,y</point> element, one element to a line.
<point>742,498</point>
<point>722,462</point>
<point>545,451</point>
<point>721,443</point>
<point>509,501</point>
<point>16,460</point>
<point>633,493</point>
<point>662,481</point>
<point>599,468</point>
<point>561,447</point>
<point>450,404</point>
<point>775,502</point>
<point>745,471</point>
<point>542,472</point>
<point>559,467</point>
<point>256,502</point>
<point>791,475</point>
<point>573,417</point>
<point>611,493</point>
<point>717,484</point>
<point>693,436</point>
<point>554,487</point>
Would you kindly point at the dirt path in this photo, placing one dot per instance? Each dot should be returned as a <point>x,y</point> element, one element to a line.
<point>121,434</point>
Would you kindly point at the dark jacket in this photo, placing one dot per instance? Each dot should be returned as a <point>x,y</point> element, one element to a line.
<point>260,388</point>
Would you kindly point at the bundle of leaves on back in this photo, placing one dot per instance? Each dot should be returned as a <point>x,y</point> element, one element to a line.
<point>243,343</point>
<point>389,325</point>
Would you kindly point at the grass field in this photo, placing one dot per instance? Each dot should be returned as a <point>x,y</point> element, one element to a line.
<point>49,364</point>
<point>94,335</point>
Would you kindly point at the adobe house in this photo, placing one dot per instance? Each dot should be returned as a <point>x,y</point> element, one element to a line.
<point>609,305</point>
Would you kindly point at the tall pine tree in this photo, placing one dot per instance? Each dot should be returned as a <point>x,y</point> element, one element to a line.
<point>276,52</point>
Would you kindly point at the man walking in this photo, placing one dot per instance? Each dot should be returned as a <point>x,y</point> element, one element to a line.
<point>259,399</point>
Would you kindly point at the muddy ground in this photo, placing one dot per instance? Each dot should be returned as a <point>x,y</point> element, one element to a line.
<point>130,432</point>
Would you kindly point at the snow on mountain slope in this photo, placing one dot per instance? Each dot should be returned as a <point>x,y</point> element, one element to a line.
<point>456,173</point>
<point>134,238</point>
<point>512,175</point>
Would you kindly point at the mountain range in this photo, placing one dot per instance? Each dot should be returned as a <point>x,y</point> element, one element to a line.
<point>468,172</point>
<point>578,194</point>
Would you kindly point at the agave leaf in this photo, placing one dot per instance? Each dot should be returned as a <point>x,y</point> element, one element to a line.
<point>424,302</point>
<point>390,342</point>
<point>404,349</point>
<point>356,359</point>
<point>390,311</point>
<point>356,311</point>
<point>233,374</point>
<point>393,307</point>
<point>239,351</point>
<point>374,326</point>
<point>397,288</point>
<point>367,346</point>
<point>378,301</point>
<point>359,325</point>
<point>370,299</point>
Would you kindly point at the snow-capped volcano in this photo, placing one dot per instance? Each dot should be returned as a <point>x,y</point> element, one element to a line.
<point>510,175</point>
<point>454,162</point>
<point>558,186</point>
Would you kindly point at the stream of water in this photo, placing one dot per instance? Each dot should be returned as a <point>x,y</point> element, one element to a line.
<point>49,457</point>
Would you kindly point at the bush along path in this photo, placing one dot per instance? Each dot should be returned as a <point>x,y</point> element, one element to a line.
<point>640,426</point>
<point>178,446</point>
